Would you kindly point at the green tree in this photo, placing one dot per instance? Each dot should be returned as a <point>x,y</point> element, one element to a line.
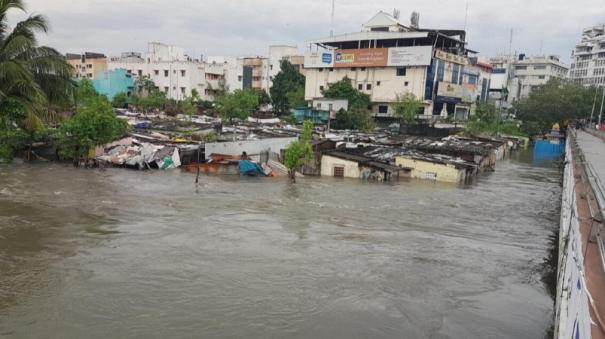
<point>296,98</point>
<point>263,96</point>
<point>406,107</point>
<point>120,100</point>
<point>95,123</point>
<point>237,105</point>
<point>485,112</point>
<point>288,80</point>
<point>555,102</point>
<point>355,118</point>
<point>344,90</point>
<point>299,152</point>
<point>33,78</point>
<point>189,107</point>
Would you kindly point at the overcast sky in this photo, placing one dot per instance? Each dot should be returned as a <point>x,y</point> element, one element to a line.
<point>248,27</point>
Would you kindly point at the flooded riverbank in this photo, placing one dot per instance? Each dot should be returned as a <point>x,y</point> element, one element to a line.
<point>116,253</point>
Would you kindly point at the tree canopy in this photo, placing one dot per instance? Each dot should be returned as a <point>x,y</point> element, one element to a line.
<point>94,123</point>
<point>406,107</point>
<point>288,80</point>
<point>237,105</point>
<point>555,102</point>
<point>344,90</point>
<point>299,152</point>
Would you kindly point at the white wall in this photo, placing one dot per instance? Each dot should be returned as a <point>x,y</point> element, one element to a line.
<point>385,83</point>
<point>351,168</point>
<point>251,147</point>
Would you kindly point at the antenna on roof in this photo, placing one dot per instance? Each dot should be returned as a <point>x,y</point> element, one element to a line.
<point>332,20</point>
<point>415,20</point>
<point>396,13</point>
<point>466,15</point>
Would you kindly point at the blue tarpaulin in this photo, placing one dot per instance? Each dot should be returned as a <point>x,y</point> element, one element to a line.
<point>247,167</point>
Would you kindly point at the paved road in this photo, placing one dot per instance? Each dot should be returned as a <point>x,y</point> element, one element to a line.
<point>594,152</point>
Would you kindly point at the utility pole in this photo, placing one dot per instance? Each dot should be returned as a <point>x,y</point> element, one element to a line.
<point>601,110</point>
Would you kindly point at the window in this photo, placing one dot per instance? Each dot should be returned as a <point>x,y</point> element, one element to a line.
<point>321,88</point>
<point>330,107</point>
<point>406,83</point>
<point>541,76</point>
<point>174,71</point>
<point>89,75</point>
<point>362,69</point>
<point>377,83</point>
<point>540,67</point>
<point>440,70</point>
<point>165,89</point>
<point>383,109</point>
<point>321,70</point>
<point>140,72</point>
<point>89,66</point>
<point>319,105</point>
<point>455,73</point>
<point>360,87</point>
<point>165,73</point>
<point>239,78</point>
<point>129,71</point>
<point>339,171</point>
<point>472,79</point>
<point>271,67</point>
<point>400,71</point>
<point>368,87</point>
<point>156,72</point>
<point>183,72</point>
<point>331,69</point>
<point>520,68</point>
<point>183,90</point>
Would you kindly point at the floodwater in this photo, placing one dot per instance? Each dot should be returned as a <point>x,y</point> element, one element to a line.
<point>125,254</point>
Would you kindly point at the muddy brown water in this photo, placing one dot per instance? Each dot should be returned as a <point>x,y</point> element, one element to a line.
<point>125,254</point>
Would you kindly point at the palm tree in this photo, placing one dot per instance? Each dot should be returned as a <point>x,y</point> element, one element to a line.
<point>32,77</point>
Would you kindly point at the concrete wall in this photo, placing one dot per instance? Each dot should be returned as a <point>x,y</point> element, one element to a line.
<point>351,168</point>
<point>252,147</point>
<point>430,170</point>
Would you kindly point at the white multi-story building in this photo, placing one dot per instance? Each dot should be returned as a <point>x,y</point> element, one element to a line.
<point>172,71</point>
<point>388,58</point>
<point>537,71</point>
<point>588,58</point>
<point>514,77</point>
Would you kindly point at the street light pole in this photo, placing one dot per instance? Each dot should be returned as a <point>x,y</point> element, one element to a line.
<point>594,102</point>
<point>601,110</point>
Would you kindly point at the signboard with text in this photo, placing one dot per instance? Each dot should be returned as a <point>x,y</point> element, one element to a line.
<point>457,59</point>
<point>369,57</point>
<point>410,56</point>
<point>319,59</point>
<point>450,90</point>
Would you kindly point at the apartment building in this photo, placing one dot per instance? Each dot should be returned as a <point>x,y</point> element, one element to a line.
<point>387,58</point>
<point>588,57</point>
<point>87,65</point>
<point>172,71</point>
<point>537,71</point>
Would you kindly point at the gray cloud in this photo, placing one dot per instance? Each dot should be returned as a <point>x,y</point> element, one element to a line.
<point>248,27</point>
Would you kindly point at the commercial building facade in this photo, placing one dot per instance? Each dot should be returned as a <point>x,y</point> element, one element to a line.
<point>387,59</point>
<point>588,58</point>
